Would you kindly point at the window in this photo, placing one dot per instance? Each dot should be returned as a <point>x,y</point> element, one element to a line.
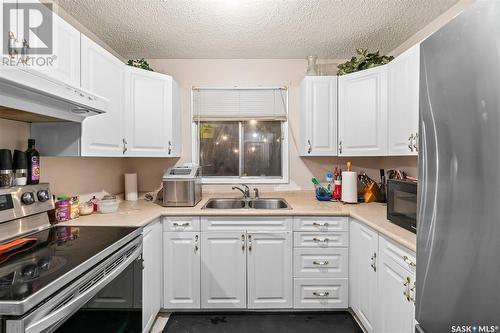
<point>246,141</point>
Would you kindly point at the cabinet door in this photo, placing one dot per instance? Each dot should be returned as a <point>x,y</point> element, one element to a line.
<point>223,270</point>
<point>181,274</point>
<point>362,274</point>
<point>269,260</point>
<point>66,64</point>
<point>103,74</point>
<point>403,103</point>
<point>363,113</point>
<point>318,114</point>
<point>152,273</point>
<point>148,97</point>
<point>396,311</point>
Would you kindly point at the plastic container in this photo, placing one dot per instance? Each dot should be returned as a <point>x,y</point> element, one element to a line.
<point>86,208</point>
<point>321,194</point>
<point>108,204</point>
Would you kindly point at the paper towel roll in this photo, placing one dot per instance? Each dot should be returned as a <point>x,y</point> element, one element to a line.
<point>131,186</point>
<point>349,186</point>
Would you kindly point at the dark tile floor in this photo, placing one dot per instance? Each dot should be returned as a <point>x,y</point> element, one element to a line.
<point>262,322</point>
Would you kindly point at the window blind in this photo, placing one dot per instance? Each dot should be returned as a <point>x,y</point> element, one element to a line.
<point>239,104</point>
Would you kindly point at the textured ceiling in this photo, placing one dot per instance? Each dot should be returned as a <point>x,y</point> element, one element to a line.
<point>252,28</point>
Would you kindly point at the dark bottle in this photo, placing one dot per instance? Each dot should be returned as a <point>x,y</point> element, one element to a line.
<point>33,163</point>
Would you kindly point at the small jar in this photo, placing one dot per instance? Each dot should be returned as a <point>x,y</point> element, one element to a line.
<point>20,177</point>
<point>6,178</point>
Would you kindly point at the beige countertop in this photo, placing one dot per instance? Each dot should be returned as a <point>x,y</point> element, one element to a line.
<point>303,203</point>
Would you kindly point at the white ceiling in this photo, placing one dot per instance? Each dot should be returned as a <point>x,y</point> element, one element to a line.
<point>252,28</point>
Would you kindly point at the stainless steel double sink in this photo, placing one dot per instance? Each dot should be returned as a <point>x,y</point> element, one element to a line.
<point>234,203</point>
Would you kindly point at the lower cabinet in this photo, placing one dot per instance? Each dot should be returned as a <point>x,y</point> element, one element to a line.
<point>181,262</point>
<point>151,275</point>
<point>223,270</point>
<point>363,273</point>
<point>381,282</point>
<point>396,286</point>
<point>269,270</point>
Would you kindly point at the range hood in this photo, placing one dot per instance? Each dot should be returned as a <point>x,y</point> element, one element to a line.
<point>30,96</point>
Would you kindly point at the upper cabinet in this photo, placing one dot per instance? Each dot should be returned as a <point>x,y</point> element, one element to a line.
<point>363,113</point>
<point>318,116</point>
<point>104,74</point>
<point>404,103</point>
<point>152,114</point>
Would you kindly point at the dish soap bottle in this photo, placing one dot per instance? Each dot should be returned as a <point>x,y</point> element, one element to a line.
<point>33,158</point>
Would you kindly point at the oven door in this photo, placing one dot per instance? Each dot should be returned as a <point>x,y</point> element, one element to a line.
<point>74,309</point>
<point>402,204</point>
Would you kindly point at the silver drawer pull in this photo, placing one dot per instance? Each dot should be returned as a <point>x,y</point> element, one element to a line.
<point>185,224</point>
<point>319,240</point>
<point>409,262</point>
<point>323,294</point>
<point>320,263</point>
<point>320,224</point>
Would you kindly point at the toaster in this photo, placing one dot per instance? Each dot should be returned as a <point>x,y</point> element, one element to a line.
<point>181,186</point>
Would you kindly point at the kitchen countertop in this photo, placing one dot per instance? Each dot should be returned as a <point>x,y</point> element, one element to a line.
<point>303,203</point>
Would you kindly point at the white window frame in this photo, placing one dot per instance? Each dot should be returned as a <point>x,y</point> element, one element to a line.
<point>284,179</point>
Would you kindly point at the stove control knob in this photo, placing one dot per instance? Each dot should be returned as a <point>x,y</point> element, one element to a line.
<point>28,198</point>
<point>43,195</point>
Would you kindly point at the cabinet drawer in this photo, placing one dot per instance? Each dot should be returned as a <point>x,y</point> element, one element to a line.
<point>325,263</point>
<point>238,223</point>
<point>187,223</point>
<point>320,224</point>
<point>320,293</point>
<point>321,239</point>
<point>401,255</point>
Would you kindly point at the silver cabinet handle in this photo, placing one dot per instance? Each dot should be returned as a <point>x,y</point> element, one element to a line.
<point>242,242</point>
<point>409,261</point>
<point>374,262</point>
<point>415,142</point>
<point>321,294</point>
<point>320,263</point>
<point>249,242</point>
<point>340,147</point>
<point>196,243</point>
<point>410,142</point>
<point>406,292</point>
<point>124,146</point>
<point>169,147</point>
<point>309,146</point>
<point>319,240</point>
<point>182,225</point>
<point>320,224</point>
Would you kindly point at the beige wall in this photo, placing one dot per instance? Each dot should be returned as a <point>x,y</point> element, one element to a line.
<point>83,175</point>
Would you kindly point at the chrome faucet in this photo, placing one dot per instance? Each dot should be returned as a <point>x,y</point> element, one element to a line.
<point>245,192</point>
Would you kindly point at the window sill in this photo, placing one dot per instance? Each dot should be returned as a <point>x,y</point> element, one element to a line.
<point>238,180</point>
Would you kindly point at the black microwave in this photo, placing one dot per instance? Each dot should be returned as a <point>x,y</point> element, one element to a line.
<point>402,203</point>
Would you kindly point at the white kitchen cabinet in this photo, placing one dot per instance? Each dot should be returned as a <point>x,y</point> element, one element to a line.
<point>152,273</point>
<point>363,273</point>
<point>181,270</point>
<point>363,113</point>
<point>403,80</point>
<point>102,73</point>
<point>396,310</point>
<point>223,270</point>
<point>318,116</point>
<point>152,114</point>
<point>269,270</point>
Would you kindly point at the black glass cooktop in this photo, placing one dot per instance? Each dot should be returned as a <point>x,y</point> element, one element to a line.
<point>28,267</point>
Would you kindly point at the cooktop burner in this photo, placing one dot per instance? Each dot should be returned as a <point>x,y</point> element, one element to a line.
<point>44,256</point>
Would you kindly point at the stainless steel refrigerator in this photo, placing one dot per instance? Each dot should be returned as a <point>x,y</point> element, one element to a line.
<point>458,238</point>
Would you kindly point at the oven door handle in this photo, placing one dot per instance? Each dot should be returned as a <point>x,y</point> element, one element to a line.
<point>75,304</point>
